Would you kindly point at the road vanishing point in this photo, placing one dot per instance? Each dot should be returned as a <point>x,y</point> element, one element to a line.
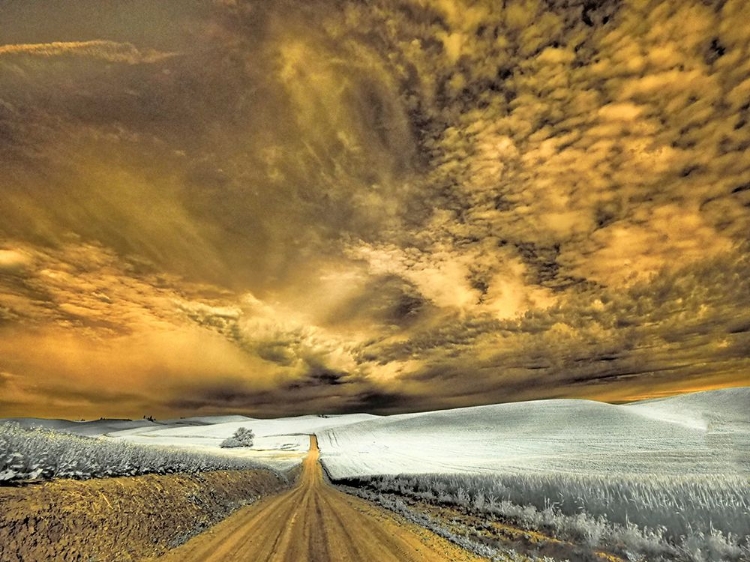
<point>315,522</point>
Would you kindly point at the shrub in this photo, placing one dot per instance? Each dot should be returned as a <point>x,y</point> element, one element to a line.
<point>243,437</point>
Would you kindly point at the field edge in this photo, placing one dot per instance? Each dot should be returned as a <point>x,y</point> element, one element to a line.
<point>124,518</point>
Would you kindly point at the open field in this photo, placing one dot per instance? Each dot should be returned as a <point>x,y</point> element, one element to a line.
<point>706,434</point>
<point>40,453</point>
<point>281,443</point>
<point>172,445</point>
<point>665,478</point>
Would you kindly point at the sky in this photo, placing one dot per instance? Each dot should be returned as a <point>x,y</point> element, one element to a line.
<point>289,207</point>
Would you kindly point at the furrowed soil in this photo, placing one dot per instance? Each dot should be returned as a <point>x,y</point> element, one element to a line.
<point>121,519</point>
<point>314,522</point>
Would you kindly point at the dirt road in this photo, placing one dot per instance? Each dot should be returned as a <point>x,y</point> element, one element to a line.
<point>315,522</point>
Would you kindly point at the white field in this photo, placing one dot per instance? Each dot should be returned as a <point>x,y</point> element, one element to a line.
<point>705,433</point>
<point>86,428</point>
<point>281,442</point>
<point>692,434</point>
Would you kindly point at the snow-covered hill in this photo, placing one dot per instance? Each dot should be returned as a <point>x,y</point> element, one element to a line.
<point>702,433</point>
<point>292,433</point>
<point>281,442</point>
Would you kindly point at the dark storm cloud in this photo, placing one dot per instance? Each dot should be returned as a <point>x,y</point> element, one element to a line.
<point>383,205</point>
<point>666,331</point>
<point>321,392</point>
<point>388,300</point>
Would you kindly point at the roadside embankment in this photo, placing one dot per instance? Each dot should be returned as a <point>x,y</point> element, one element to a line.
<point>121,519</point>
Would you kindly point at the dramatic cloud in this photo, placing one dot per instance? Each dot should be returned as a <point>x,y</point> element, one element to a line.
<point>286,207</point>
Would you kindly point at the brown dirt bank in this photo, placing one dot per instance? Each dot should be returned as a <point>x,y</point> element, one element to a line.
<point>121,519</point>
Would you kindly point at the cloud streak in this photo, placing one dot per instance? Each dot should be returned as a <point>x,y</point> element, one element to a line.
<point>109,51</point>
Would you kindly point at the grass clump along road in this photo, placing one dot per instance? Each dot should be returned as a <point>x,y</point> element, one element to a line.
<point>655,519</point>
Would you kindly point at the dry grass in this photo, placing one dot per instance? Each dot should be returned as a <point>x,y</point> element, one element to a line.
<point>649,518</point>
<point>38,453</point>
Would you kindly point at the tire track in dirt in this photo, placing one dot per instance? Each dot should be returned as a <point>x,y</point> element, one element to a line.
<point>315,522</point>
